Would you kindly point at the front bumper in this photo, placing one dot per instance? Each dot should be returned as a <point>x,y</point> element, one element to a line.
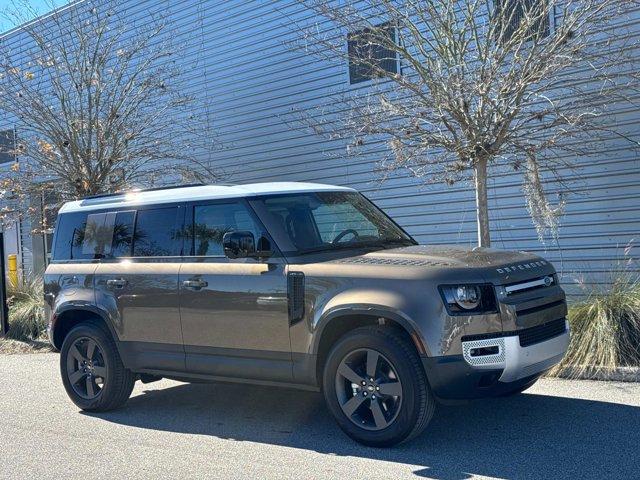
<point>514,360</point>
<point>470,375</point>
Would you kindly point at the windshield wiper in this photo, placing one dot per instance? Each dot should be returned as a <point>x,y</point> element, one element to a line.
<point>363,244</point>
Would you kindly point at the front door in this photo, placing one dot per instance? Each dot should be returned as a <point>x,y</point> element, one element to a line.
<point>137,281</point>
<point>233,312</point>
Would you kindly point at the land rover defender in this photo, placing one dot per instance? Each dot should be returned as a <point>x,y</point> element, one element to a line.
<point>293,284</point>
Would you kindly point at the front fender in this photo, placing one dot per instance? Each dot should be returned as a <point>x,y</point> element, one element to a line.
<point>375,303</point>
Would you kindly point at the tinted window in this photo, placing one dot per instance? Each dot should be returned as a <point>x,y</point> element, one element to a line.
<point>96,241</point>
<point>155,233</point>
<point>122,234</point>
<point>94,235</point>
<point>211,222</point>
<point>69,236</point>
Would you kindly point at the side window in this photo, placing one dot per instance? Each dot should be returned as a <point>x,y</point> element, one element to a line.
<point>211,222</point>
<point>123,234</point>
<point>94,235</point>
<point>69,236</point>
<point>155,233</point>
<point>98,232</point>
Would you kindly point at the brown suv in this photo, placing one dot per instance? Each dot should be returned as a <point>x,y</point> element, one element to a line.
<point>293,284</point>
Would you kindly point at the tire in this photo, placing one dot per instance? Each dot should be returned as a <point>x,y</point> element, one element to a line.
<point>103,383</point>
<point>398,371</point>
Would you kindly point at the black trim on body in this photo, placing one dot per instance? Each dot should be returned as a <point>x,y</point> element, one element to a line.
<point>295,296</point>
<point>452,378</point>
<point>531,335</point>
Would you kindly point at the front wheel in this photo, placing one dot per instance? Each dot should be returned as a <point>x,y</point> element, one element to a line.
<point>92,372</point>
<point>376,388</point>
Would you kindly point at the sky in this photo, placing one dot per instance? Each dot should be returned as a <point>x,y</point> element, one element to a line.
<point>41,6</point>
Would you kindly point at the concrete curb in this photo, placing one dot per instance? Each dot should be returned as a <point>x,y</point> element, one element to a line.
<point>620,374</point>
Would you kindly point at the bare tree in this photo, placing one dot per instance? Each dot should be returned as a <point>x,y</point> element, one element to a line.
<point>99,103</point>
<point>463,88</point>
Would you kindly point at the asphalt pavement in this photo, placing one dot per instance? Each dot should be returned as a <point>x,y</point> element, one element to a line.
<point>557,429</point>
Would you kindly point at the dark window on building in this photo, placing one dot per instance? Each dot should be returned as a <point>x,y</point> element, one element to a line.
<point>7,146</point>
<point>156,234</point>
<point>211,222</point>
<point>367,56</point>
<point>511,13</point>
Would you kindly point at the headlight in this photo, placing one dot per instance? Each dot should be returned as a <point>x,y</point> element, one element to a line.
<point>467,296</point>
<point>468,299</point>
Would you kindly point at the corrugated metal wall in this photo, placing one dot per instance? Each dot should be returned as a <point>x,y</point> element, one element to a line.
<point>239,61</point>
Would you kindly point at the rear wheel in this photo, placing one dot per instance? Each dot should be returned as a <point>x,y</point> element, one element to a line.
<point>376,388</point>
<point>92,372</point>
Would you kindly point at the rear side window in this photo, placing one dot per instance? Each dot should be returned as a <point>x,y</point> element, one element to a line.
<point>69,236</point>
<point>155,234</point>
<point>122,238</point>
<point>86,236</point>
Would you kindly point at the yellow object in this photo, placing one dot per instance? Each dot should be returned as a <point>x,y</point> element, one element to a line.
<point>12,263</point>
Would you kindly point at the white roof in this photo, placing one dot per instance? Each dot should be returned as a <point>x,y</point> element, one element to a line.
<point>203,192</point>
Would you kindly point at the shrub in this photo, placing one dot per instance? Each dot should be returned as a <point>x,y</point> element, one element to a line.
<point>26,309</point>
<point>605,329</point>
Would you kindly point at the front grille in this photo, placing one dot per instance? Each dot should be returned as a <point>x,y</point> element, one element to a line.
<point>528,336</point>
<point>540,333</point>
<point>539,308</point>
<point>532,284</point>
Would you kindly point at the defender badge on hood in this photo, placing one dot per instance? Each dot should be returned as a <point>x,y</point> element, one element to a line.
<point>522,266</point>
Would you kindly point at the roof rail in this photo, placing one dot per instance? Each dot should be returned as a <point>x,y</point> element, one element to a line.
<point>152,189</point>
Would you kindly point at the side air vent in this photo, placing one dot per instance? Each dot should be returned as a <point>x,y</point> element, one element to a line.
<point>295,294</point>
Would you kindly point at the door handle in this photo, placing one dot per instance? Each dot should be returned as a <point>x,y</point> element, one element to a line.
<point>116,282</point>
<point>195,284</point>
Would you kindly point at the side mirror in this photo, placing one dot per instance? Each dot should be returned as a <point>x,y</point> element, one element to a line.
<point>239,244</point>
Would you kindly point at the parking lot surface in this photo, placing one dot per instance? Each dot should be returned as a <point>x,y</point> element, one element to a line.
<point>557,429</point>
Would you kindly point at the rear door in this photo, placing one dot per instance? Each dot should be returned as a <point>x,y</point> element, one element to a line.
<point>137,281</point>
<point>234,312</point>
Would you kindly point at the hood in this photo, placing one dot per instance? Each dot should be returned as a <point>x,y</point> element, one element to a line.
<point>497,266</point>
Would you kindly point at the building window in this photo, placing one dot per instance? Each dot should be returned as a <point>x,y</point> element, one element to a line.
<point>7,146</point>
<point>511,13</point>
<point>367,57</point>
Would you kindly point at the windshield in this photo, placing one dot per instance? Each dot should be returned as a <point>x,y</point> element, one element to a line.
<point>319,221</point>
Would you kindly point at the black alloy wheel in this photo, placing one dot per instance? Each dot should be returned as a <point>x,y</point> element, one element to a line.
<point>368,389</point>
<point>376,388</point>
<point>86,368</point>
<point>92,372</point>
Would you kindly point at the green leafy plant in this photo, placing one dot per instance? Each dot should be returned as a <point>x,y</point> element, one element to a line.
<point>26,309</point>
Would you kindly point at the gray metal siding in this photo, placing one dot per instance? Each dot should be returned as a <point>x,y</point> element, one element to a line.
<point>238,59</point>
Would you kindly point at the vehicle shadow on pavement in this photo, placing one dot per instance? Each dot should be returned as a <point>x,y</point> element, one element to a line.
<point>526,436</point>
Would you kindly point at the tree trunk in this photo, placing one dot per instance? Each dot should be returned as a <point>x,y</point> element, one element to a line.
<point>482,205</point>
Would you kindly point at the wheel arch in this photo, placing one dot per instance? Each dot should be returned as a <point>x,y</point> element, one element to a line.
<point>71,315</point>
<point>338,321</point>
